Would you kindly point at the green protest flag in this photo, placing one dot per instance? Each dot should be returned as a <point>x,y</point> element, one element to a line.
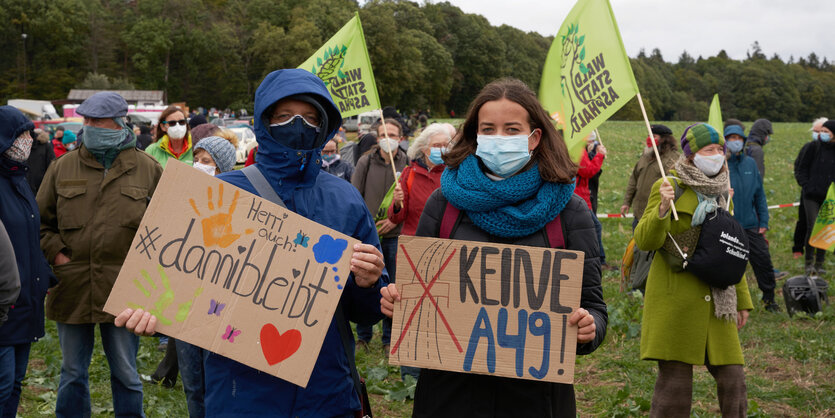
<point>714,118</point>
<point>587,76</point>
<point>343,64</point>
<point>823,233</point>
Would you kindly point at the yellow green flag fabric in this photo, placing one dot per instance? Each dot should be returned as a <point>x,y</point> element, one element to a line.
<point>823,233</point>
<point>714,117</point>
<point>587,76</point>
<point>343,64</point>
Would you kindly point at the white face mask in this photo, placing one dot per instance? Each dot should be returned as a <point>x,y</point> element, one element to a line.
<point>388,144</point>
<point>208,169</point>
<point>709,165</point>
<point>177,131</point>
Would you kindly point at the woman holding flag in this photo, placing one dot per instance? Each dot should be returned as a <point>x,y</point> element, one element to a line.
<point>685,321</point>
<point>507,177</point>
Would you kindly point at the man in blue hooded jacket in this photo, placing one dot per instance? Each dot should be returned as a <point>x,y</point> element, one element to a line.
<point>294,118</point>
<point>751,211</point>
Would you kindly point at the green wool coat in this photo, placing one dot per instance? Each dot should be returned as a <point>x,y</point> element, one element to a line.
<point>678,319</point>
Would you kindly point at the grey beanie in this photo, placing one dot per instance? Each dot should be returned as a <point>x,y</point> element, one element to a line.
<point>221,151</point>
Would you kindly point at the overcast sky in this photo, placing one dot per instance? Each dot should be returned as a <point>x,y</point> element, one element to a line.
<point>702,27</point>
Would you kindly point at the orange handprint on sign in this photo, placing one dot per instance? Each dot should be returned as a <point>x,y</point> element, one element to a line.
<point>217,228</point>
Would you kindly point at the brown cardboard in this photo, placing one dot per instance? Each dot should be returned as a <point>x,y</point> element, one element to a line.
<point>287,273</point>
<point>442,326</point>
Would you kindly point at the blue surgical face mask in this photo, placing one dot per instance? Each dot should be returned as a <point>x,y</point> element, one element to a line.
<point>825,137</point>
<point>435,154</point>
<point>815,136</point>
<point>734,146</point>
<point>503,155</point>
<point>295,133</point>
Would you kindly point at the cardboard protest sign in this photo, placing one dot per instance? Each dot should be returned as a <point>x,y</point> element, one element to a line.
<point>486,308</point>
<point>823,232</point>
<point>234,273</point>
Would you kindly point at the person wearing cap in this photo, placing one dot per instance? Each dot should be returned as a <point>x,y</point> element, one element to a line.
<point>294,117</point>
<point>214,155</point>
<point>815,172</point>
<point>91,203</point>
<point>751,211</point>
<point>19,215</point>
<point>646,171</point>
<point>685,321</point>
<point>173,137</point>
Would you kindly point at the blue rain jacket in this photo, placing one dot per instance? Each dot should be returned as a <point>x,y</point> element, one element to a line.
<point>750,206</point>
<point>236,390</point>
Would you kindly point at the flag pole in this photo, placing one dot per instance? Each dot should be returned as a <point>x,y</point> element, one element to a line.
<point>386,133</point>
<point>655,150</point>
<point>597,134</point>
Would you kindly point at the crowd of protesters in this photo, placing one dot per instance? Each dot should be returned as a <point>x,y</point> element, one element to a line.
<point>503,176</point>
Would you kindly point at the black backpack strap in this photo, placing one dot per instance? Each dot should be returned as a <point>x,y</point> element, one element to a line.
<point>262,186</point>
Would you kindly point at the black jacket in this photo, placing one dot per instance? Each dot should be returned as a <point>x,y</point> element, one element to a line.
<point>39,159</point>
<point>452,394</point>
<point>815,170</point>
<point>757,138</point>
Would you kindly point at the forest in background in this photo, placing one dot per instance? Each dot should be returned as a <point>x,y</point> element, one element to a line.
<point>214,53</point>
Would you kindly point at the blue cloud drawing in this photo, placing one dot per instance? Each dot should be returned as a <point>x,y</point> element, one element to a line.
<point>329,250</point>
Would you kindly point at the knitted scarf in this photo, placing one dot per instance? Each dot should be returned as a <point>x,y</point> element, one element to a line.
<point>711,192</point>
<point>514,207</point>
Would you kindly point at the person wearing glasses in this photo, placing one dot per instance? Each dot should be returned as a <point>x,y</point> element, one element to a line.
<point>173,137</point>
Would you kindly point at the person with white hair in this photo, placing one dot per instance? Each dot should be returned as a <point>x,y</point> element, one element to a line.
<point>800,227</point>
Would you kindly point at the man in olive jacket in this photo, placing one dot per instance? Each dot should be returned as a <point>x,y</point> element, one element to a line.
<point>91,202</point>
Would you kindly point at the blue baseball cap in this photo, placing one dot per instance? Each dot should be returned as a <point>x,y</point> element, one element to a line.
<point>103,105</point>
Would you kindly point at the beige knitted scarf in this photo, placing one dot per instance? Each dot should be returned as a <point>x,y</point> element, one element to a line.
<point>724,300</point>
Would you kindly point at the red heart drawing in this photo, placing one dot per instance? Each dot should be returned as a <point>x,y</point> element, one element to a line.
<point>277,347</point>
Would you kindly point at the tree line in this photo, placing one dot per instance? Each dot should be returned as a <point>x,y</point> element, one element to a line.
<point>214,53</point>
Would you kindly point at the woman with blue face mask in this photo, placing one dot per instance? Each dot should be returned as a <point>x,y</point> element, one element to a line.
<point>814,172</point>
<point>508,176</point>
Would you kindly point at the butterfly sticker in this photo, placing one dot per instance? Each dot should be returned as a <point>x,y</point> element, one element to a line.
<point>215,307</point>
<point>231,333</point>
<point>301,239</point>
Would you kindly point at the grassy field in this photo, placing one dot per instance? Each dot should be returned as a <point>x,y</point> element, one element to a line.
<point>790,363</point>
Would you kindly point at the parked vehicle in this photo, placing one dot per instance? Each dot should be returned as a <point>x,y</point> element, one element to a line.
<point>351,124</point>
<point>246,140</point>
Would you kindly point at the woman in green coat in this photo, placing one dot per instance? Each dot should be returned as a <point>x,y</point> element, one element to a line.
<point>685,321</point>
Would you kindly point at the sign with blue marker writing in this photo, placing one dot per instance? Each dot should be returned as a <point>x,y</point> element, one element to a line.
<point>480,307</point>
<point>235,274</point>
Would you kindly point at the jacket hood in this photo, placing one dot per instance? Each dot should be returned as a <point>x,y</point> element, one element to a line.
<point>759,131</point>
<point>281,164</point>
<point>12,124</point>
<point>280,84</point>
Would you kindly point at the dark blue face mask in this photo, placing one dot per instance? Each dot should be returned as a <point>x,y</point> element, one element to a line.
<point>295,133</point>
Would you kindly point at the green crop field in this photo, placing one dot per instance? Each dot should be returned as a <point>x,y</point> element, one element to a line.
<point>790,363</point>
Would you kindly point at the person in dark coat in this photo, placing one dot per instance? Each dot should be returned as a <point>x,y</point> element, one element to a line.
<point>751,211</point>
<point>42,154</point>
<point>19,214</point>
<point>333,163</point>
<point>509,174</point>
<point>799,242</point>
<point>814,173</point>
<point>365,143</point>
<point>758,136</point>
<point>144,138</point>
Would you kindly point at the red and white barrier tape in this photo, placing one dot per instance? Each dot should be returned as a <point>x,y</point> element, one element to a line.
<point>629,215</point>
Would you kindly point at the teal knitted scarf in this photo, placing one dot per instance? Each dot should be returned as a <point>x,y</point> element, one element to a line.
<point>514,207</point>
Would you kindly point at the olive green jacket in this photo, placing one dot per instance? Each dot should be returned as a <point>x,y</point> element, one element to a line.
<point>678,318</point>
<point>91,215</point>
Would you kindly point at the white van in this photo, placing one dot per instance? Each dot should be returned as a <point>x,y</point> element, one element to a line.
<point>366,120</point>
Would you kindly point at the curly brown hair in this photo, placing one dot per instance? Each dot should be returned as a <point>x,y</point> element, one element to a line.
<point>555,165</point>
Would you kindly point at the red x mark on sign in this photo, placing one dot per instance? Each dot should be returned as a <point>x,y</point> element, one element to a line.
<point>426,293</point>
